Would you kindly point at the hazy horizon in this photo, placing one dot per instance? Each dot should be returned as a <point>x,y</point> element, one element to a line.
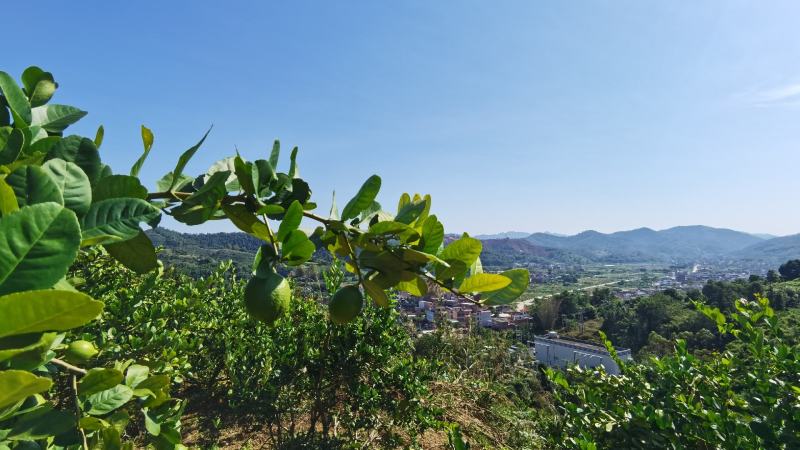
<point>517,115</point>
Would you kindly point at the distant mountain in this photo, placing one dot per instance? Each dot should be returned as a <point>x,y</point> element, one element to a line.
<point>504,235</point>
<point>505,253</point>
<point>774,251</point>
<point>678,244</point>
<point>764,236</point>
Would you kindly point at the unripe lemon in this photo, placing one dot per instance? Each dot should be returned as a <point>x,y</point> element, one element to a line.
<point>345,304</point>
<point>80,351</point>
<point>267,298</point>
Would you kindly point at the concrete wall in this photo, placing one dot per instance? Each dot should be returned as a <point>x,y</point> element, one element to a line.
<point>555,354</point>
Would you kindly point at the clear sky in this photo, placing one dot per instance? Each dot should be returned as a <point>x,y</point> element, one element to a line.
<point>529,116</point>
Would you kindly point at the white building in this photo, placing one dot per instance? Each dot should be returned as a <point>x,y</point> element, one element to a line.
<point>485,318</point>
<point>557,351</point>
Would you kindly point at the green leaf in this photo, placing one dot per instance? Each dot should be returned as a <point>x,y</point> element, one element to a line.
<point>98,136</point>
<point>201,205</point>
<point>104,402</point>
<point>162,185</point>
<point>225,165</point>
<point>183,160</point>
<point>14,345</point>
<point>37,245</point>
<point>116,219</point>
<point>147,141</point>
<point>246,221</point>
<point>39,85</point>
<point>263,176</point>
<point>291,220</point>
<point>376,293</point>
<point>15,97</point>
<point>45,310</point>
<point>72,182</point>
<point>415,286</point>
<point>410,211</point>
<point>484,282</point>
<point>8,199</point>
<point>11,143</point>
<point>137,254</point>
<point>98,379</point>
<point>275,155</point>
<point>334,213</point>
<point>297,248</point>
<point>55,118</point>
<point>293,171</point>
<point>42,423</point>
<point>136,374</point>
<point>363,199</point>
<point>520,278</point>
<point>16,385</point>
<point>80,151</point>
<point>118,186</point>
<point>33,185</point>
<point>464,249</point>
<point>244,174</point>
<point>432,235</point>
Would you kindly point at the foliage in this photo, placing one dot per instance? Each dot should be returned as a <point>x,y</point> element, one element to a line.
<point>57,198</point>
<point>748,396</point>
<point>790,270</point>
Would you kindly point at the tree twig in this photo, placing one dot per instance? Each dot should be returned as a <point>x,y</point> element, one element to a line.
<point>68,366</point>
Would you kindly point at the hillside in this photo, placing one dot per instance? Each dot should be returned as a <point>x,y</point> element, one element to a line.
<point>505,253</point>
<point>678,244</point>
<point>772,251</point>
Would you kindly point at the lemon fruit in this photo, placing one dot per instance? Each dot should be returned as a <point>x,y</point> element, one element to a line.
<point>80,351</point>
<point>345,304</point>
<point>267,298</point>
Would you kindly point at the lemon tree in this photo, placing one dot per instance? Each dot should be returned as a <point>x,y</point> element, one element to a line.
<point>57,198</point>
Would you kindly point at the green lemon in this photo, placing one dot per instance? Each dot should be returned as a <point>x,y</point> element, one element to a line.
<point>80,351</point>
<point>267,298</point>
<point>345,304</point>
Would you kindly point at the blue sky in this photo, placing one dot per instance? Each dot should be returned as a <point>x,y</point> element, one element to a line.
<point>531,116</point>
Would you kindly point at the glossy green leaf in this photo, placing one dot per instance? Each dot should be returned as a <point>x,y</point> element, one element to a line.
<point>118,186</point>
<point>297,248</point>
<point>291,220</point>
<point>136,374</point>
<point>464,249</point>
<point>137,254</point>
<point>334,212</point>
<point>72,182</point>
<point>183,160</point>
<point>32,185</point>
<point>263,177</point>
<point>520,278</point>
<point>98,379</point>
<point>45,310</point>
<point>147,141</point>
<point>104,402</point>
<point>15,97</point>
<point>225,165</point>
<point>484,282</point>
<point>80,151</point>
<point>116,219</point>
<point>410,211</point>
<point>11,143</point>
<point>8,199</point>
<point>202,205</point>
<point>55,118</point>
<point>246,221</point>
<point>16,385</point>
<point>376,293</point>
<point>275,155</point>
<point>416,287</point>
<point>11,346</point>
<point>42,423</point>
<point>37,245</point>
<point>293,171</point>
<point>98,136</point>
<point>432,235</point>
<point>39,85</point>
<point>163,184</point>
<point>244,174</point>
<point>363,199</point>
